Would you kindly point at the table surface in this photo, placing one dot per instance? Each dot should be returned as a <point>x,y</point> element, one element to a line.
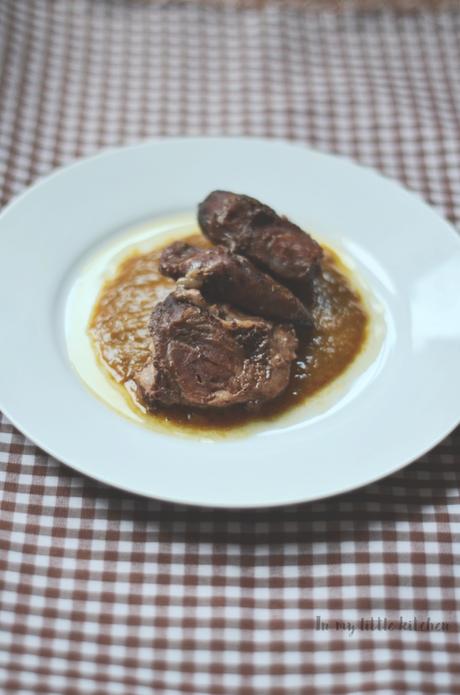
<point>103,592</point>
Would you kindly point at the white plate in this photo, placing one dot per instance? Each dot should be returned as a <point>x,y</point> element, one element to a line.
<point>405,399</point>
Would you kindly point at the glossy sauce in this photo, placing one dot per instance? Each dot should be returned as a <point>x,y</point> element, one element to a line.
<point>119,321</point>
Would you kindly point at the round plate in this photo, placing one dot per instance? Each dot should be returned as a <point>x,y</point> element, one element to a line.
<point>407,400</point>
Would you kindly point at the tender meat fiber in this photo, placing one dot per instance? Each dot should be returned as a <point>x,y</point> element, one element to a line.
<point>252,229</point>
<point>227,277</point>
<point>212,356</point>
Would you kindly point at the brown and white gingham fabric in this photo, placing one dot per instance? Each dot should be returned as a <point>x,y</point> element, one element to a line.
<point>105,593</point>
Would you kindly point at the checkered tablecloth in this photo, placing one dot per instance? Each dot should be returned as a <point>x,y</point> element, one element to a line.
<point>105,593</point>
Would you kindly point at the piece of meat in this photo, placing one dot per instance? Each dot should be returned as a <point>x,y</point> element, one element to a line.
<point>211,356</point>
<point>224,276</point>
<point>253,229</point>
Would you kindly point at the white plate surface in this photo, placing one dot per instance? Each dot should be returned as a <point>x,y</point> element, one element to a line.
<point>405,399</point>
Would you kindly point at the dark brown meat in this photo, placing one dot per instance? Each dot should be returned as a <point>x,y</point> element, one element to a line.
<point>248,227</point>
<point>224,276</point>
<point>210,356</point>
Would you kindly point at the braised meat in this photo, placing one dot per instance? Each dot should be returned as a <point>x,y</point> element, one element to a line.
<point>246,226</point>
<point>212,356</point>
<point>224,276</point>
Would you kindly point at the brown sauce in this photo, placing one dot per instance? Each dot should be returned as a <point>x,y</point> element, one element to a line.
<point>119,322</point>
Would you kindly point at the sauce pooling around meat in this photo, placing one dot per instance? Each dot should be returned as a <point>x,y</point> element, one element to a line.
<point>119,329</point>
